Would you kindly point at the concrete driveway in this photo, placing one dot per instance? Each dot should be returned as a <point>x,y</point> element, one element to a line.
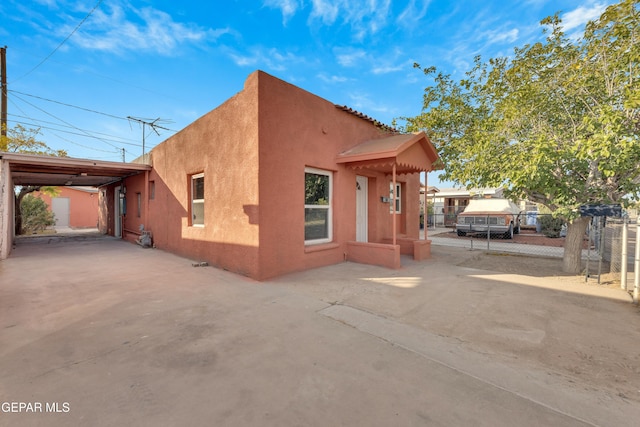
<point>96,331</point>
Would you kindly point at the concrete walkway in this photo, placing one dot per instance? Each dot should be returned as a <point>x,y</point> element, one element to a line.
<point>102,332</point>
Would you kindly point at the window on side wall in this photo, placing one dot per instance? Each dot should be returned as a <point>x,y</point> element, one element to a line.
<point>152,190</point>
<point>317,206</point>
<point>398,197</point>
<point>197,200</point>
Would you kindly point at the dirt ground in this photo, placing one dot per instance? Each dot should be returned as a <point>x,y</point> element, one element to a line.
<point>517,309</point>
<point>598,364</point>
<point>125,332</point>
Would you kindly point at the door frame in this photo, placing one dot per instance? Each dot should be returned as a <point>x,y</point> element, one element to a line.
<point>117,217</point>
<point>362,203</point>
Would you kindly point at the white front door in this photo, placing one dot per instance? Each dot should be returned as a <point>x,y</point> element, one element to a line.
<point>362,185</point>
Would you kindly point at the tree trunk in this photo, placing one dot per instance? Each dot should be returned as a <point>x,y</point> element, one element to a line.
<point>572,259</point>
<point>18,213</point>
<point>18,216</point>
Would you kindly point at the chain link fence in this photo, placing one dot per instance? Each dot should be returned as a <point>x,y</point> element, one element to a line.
<point>543,236</point>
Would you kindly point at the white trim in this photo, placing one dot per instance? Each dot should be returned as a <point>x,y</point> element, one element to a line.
<point>397,199</point>
<point>199,201</point>
<point>362,202</point>
<point>328,207</point>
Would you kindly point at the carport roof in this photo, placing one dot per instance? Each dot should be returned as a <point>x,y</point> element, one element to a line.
<point>31,169</point>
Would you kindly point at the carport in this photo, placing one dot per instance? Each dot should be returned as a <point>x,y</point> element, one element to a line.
<point>37,170</point>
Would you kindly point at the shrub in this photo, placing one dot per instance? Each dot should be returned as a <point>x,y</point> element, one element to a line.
<point>35,214</point>
<point>550,226</point>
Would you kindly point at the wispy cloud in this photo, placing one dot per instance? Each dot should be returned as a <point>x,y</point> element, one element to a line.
<point>577,18</point>
<point>325,11</point>
<point>363,102</point>
<point>501,36</point>
<point>287,7</point>
<point>386,69</point>
<point>413,13</point>
<point>332,79</point>
<point>148,29</point>
<point>350,57</point>
<point>271,59</point>
<point>365,17</point>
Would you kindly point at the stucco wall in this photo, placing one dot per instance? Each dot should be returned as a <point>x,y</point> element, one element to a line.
<point>6,210</point>
<point>253,150</point>
<point>223,145</point>
<point>83,206</point>
<point>299,129</point>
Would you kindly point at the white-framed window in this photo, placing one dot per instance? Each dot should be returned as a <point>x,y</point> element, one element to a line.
<point>197,200</point>
<point>318,224</point>
<point>398,197</point>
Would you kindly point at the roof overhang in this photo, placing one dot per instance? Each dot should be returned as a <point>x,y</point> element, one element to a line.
<point>410,153</point>
<point>37,170</point>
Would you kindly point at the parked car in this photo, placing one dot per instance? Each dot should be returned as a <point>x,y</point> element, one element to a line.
<point>497,216</point>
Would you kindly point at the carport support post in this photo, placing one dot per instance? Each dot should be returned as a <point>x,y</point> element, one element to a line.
<point>636,275</point>
<point>623,265</point>
<point>394,204</point>
<point>424,207</point>
<point>488,234</point>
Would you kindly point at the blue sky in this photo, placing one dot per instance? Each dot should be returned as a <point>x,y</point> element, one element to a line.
<point>77,69</point>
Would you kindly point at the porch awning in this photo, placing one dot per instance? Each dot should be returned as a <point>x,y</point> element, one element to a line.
<point>410,153</point>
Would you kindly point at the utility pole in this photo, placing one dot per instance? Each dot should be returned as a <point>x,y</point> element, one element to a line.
<point>3,89</point>
<point>123,161</point>
<point>153,124</point>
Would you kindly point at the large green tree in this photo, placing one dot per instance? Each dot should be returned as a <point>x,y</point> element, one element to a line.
<point>556,123</point>
<point>24,140</point>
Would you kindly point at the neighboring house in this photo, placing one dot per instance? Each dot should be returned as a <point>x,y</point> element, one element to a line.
<point>449,202</point>
<point>424,207</point>
<point>75,207</point>
<point>277,180</point>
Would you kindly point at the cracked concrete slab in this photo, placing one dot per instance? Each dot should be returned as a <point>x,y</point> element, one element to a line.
<point>134,336</point>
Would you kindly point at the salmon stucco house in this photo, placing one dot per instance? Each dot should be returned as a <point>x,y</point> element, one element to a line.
<point>277,180</point>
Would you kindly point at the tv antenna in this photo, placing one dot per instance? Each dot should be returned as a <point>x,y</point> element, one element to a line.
<point>152,123</point>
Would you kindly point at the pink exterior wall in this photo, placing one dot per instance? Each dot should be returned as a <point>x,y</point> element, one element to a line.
<point>223,145</point>
<point>298,130</point>
<point>253,150</point>
<point>83,206</point>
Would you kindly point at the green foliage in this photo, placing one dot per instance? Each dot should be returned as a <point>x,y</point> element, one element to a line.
<point>35,214</point>
<point>316,189</point>
<point>22,140</point>
<point>550,226</point>
<point>557,123</point>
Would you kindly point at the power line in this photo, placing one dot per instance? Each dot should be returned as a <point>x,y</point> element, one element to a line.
<point>84,134</point>
<point>83,146</point>
<point>61,43</point>
<point>102,76</point>
<point>114,138</point>
<point>128,118</point>
<point>153,124</point>
<point>69,105</point>
<point>67,123</point>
